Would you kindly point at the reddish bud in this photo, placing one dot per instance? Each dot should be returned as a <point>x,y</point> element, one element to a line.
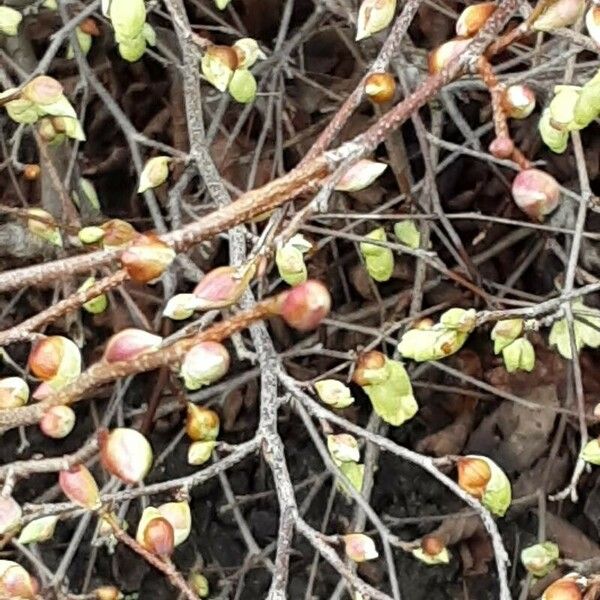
<point>90,26</point>
<point>473,475</point>
<point>159,537</point>
<point>146,258</point>
<point>31,172</point>
<point>225,54</point>
<point>370,368</point>
<point>563,589</point>
<point>129,344</point>
<point>442,55</point>
<point>58,421</point>
<point>306,305</point>
<point>126,454</point>
<point>42,90</point>
<point>80,487</point>
<point>204,364</point>
<point>380,87</point>
<point>536,193</point>
<point>117,234</point>
<point>16,582</point>
<point>223,286</point>
<point>55,359</point>
<point>432,545</point>
<point>473,18</point>
<point>502,147</point>
<point>359,547</point>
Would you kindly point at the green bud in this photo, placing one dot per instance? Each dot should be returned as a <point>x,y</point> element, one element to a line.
<point>587,107</point>
<point>127,17</point>
<point>85,43</point>
<point>149,34</point>
<point>200,452</point>
<point>218,65</point>
<point>343,447</point>
<point>430,344</point>
<point>290,264</point>
<point>441,558</point>
<point>373,16</point>
<point>242,86</point>
<point>222,4</point>
<point>96,305</point>
<point>355,472</point>
<point>562,106</point>
<point>586,327</point>
<point>407,233</point>
<point>181,307</point>
<point>556,139</point>
<point>459,319</point>
<point>45,227</point>
<point>132,50</point>
<point>540,559</point>
<point>505,332</point>
<point>591,452</point>
<point>248,52</point>
<point>21,110</point>
<point>379,261</point>
<point>90,235</point>
<point>39,530</point>
<point>519,355</point>
<point>50,4</point>
<point>334,393</point>
<point>154,173</point>
<point>10,20</point>
<point>199,584</point>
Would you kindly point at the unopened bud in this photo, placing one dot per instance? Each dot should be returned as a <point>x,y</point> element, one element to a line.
<point>199,584</point>
<point>96,305</point>
<point>10,19</point>
<point>554,135</point>
<point>218,65</point>
<point>592,22</point>
<point>45,227</point>
<point>154,173</point>
<point>90,26</point>
<point>15,582</point>
<point>290,264</point>
<point>359,547</point>
<point>126,454</point>
<point>223,286</point>
<point>380,87</point>
<point>32,172</point>
<point>561,13</point>
<point>107,592</point>
<point>10,514</point>
<point>540,559</point>
<point>204,363</point>
<point>181,306</point>
<point>242,86</point>
<point>147,258</point>
<point>20,110</point>
<point>127,17</point>
<point>536,193</point>
<point>80,487</point>
<point>129,344</point>
<point>444,54</point>
<point>90,235</point>
<point>248,52</point>
<point>563,589</point>
<point>373,16</point>
<point>58,421</point>
<point>56,360</point>
<point>379,260</point>
<point>117,234</point>
<point>371,368</point>
<point>180,517</point>
<point>407,233</point>
<point>432,551</point>
<point>334,393</point>
<point>305,306</point>
<point>473,18</point>
<point>14,392</point>
<point>473,475</point>
<point>591,452</point>
<point>343,447</point>
<point>519,101</point>
<point>200,452</point>
<point>158,537</point>
<point>360,175</point>
<point>485,480</point>
<point>505,332</point>
<point>202,424</point>
<point>39,530</point>
<point>43,90</point>
<point>502,147</point>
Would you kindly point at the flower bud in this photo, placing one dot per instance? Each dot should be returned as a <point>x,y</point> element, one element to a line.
<point>10,19</point>
<point>502,147</point>
<point>563,589</point>
<point>202,424</point>
<point>519,101</point>
<point>592,22</point>
<point>199,584</point>
<point>290,264</point>
<point>459,319</point>
<point>178,514</point>
<point>432,551</point>
<point>80,487</point>
<point>591,452</point>
<point>85,43</point>
<point>371,368</point>
<point>154,173</point>
<point>359,547</point>
<point>407,233</point>
<point>107,592</point>
<point>42,391</point>
<point>14,392</point>
<point>146,258</point>
<point>43,90</point>
<point>223,286</point>
<point>373,16</point>
<point>242,86</point>
<point>360,175</point>
<point>96,305</point>
<point>562,106</point>
<point>126,454</point>
<point>127,17</point>
<point>561,13</point>
<point>439,58</point>
<point>380,87</point>
<point>553,135</point>
<point>200,452</point>
<point>473,18</point>
<point>90,235</point>
<point>39,530</point>
<point>248,52</point>
<point>158,537</point>
<point>55,359</point>
<point>32,172</point>
<point>305,306</point>
<point>204,363</point>
<point>181,307</point>
<point>117,234</point>
<point>10,514</point>
<point>218,65</point>
<point>540,559</point>
<point>505,332</point>
<point>379,261</point>
<point>587,107</point>
<point>343,447</point>
<point>45,227</point>
<point>519,355</point>
<point>431,344</point>
<point>90,26</point>
<point>536,193</point>
<point>129,344</point>
<point>15,582</point>
<point>484,479</point>
<point>58,421</point>
<point>334,393</point>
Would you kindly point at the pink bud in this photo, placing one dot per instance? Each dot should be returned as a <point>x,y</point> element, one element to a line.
<point>42,391</point>
<point>129,344</point>
<point>15,582</point>
<point>55,358</point>
<point>223,286</point>
<point>180,517</point>
<point>126,454</point>
<point>204,364</point>
<point>442,55</point>
<point>10,514</point>
<point>14,392</point>
<point>58,421</point>
<point>519,101</point>
<point>80,487</point>
<point>146,258</point>
<point>159,537</point>
<point>43,90</point>
<point>359,547</point>
<point>536,193</point>
<point>306,305</point>
<point>502,147</point>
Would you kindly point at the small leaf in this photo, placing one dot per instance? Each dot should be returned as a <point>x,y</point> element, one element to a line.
<point>407,233</point>
<point>591,452</point>
<point>519,355</point>
<point>334,393</point>
<point>430,344</point>
<point>154,173</point>
<point>505,332</point>
<point>360,175</point>
<point>379,261</point>
<point>222,4</point>
<point>442,558</point>
<point>242,86</point>
<point>540,559</point>
<point>355,472</point>
<point>39,530</point>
